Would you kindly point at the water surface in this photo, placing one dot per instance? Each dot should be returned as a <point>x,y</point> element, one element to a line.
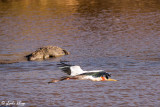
<point>120,36</point>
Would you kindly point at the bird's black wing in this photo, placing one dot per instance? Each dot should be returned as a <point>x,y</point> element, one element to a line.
<point>102,74</point>
<point>65,67</point>
<point>98,74</point>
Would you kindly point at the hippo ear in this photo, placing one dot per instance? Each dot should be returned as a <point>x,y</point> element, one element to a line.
<point>66,52</point>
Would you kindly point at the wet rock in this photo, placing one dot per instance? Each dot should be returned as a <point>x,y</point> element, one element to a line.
<point>47,52</point>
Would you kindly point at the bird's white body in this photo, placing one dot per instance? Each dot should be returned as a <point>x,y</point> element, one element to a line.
<point>91,78</point>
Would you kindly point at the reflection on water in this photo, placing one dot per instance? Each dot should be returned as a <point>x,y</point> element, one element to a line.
<point>121,36</point>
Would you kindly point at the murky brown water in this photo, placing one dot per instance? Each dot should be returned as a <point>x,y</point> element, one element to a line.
<point>121,36</point>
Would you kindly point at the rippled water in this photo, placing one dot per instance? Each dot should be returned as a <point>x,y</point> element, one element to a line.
<point>120,36</point>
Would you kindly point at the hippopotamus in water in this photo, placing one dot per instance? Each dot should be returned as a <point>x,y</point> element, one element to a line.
<point>47,52</point>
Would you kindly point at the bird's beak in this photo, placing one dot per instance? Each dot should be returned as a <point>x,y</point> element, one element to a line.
<point>109,79</point>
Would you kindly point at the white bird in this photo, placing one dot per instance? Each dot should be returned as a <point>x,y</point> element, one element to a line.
<point>75,72</point>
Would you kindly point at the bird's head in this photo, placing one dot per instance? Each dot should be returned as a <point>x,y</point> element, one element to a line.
<point>107,75</point>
